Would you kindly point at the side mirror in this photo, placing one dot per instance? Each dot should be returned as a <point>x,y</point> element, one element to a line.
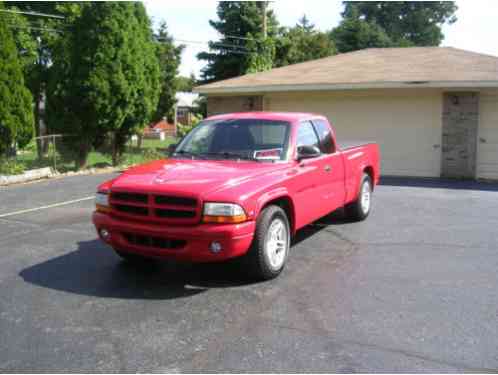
<point>171,148</point>
<point>307,152</point>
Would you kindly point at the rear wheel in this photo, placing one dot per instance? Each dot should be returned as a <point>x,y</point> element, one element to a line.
<point>270,248</point>
<point>360,208</point>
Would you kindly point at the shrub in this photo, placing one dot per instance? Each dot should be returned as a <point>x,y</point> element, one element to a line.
<point>183,130</point>
<point>10,167</point>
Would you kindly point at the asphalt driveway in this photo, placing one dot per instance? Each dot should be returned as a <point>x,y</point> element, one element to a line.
<point>412,289</point>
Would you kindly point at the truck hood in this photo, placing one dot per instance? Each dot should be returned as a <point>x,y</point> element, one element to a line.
<point>191,177</point>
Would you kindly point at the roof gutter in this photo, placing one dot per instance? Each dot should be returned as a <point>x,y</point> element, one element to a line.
<point>344,86</point>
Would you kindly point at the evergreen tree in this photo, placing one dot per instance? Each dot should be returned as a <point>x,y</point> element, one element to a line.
<point>105,78</point>
<point>16,114</point>
<point>241,26</point>
<point>354,33</point>
<point>302,43</point>
<point>34,38</point>
<point>407,23</point>
<point>169,57</point>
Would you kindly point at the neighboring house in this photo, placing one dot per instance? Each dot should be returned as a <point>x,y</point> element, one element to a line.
<point>168,128</point>
<point>160,130</point>
<point>433,110</point>
<point>185,106</point>
<point>184,109</point>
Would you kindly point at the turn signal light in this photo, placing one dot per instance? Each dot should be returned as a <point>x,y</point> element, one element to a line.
<point>103,209</point>
<point>224,219</point>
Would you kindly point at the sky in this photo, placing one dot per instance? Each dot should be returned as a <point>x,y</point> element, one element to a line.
<point>188,20</point>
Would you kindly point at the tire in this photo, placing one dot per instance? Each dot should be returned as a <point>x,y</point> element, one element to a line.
<point>270,247</point>
<point>361,207</point>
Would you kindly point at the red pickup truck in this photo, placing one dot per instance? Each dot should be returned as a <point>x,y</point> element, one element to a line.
<point>237,185</point>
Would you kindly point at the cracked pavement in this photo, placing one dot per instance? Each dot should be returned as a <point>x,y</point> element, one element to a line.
<point>414,288</point>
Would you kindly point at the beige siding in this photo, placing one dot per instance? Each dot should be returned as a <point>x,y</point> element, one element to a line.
<point>226,104</point>
<point>406,123</point>
<point>487,140</point>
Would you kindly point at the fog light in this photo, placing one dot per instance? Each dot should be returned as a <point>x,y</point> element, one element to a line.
<point>104,233</point>
<point>215,247</point>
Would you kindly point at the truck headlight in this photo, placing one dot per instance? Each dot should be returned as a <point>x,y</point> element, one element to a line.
<point>223,213</point>
<point>102,202</point>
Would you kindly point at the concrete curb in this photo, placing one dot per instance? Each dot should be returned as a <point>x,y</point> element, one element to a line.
<point>46,173</point>
<point>34,174</point>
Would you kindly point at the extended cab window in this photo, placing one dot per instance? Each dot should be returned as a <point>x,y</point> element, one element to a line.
<point>306,135</point>
<point>325,136</point>
<point>237,138</point>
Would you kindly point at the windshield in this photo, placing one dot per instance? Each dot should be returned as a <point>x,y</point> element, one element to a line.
<point>251,139</point>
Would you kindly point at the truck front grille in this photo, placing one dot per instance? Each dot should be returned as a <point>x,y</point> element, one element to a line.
<point>150,241</point>
<point>180,214</point>
<point>134,210</point>
<point>170,209</point>
<point>130,197</point>
<point>177,201</point>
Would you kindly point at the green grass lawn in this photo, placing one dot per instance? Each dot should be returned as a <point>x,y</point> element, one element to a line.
<point>151,149</point>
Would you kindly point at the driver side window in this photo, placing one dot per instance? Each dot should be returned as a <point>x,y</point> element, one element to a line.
<point>306,135</point>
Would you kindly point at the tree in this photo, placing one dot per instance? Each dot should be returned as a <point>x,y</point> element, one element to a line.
<point>169,57</point>
<point>261,53</point>
<point>104,78</point>
<point>302,43</point>
<point>185,84</point>
<point>354,33</point>
<point>242,29</point>
<point>407,23</point>
<point>16,116</point>
<point>34,37</point>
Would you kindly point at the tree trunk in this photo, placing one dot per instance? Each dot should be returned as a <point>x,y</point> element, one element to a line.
<point>140,138</point>
<point>115,150</point>
<point>81,157</point>
<point>40,146</point>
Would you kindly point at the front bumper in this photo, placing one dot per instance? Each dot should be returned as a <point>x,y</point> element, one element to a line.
<point>235,239</point>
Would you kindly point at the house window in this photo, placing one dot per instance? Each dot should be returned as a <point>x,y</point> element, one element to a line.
<point>182,111</point>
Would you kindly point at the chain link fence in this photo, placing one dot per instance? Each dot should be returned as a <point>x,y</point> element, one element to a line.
<point>46,151</point>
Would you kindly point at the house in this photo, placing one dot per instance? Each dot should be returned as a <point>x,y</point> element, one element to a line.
<point>160,130</point>
<point>433,110</point>
<point>164,126</point>
<point>185,107</point>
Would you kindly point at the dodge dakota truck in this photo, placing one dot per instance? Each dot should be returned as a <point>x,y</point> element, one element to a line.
<point>238,185</point>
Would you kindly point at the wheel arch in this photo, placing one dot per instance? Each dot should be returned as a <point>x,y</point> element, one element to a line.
<point>285,203</point>
<point>371,173</point>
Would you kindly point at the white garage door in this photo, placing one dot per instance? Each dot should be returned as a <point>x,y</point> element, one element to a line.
<point>487,142</point>
<point>406,125</point>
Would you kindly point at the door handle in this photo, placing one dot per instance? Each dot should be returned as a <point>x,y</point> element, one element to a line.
<point>328,168</point>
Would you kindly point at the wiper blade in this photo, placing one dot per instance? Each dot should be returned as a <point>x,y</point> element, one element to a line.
<point>190,154</point>
<point>228,155</point>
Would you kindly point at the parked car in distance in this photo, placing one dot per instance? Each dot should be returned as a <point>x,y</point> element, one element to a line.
<point>238,185</point>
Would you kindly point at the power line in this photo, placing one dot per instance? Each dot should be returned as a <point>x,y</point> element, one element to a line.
<point>239,37</point>
<point>235,48</point>
<point>36,14</point>
<point>35,28</point>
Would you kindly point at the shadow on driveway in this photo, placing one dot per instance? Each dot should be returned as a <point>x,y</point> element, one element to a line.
<point>94,270</point>
<point>439,183</point>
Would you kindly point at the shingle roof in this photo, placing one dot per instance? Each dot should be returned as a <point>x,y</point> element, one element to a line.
<point>370,68</point>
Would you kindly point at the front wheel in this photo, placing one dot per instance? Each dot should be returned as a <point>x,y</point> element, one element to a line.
<point>270,248</point>
<point>360,208</point>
